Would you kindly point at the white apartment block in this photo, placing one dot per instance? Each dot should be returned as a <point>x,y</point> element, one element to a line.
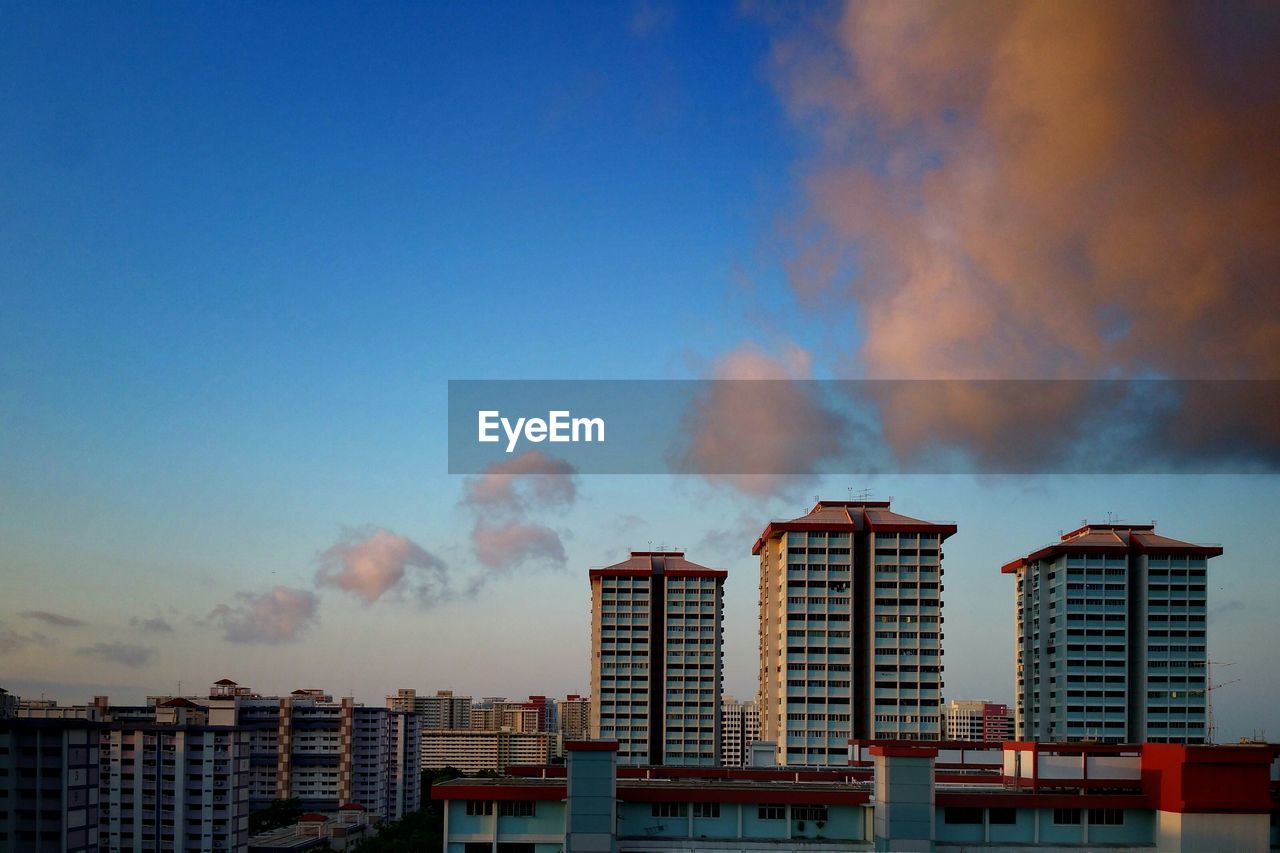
<point>1110,630</point>
<point>574,714</point>
<point>977,720</point>
<point>173,784</point>
<point>472,750</point>
<point>739,728</point>
<point>326,754</point>
<point>850,629</point>
<point>443,710</point>
<point>657,658</point>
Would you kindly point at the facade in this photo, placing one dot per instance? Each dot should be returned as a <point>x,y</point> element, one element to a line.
<point>49,785</point>
<point>739,728</point>
<point>574,714</point>
<point>440,711</point>
<point>473,750</point>
<point>173,783</point>
<point>8,704</point>
<point>656,662</point>
<point>978,720</point>
<point>850,629</point>
<point>1110,637</point>
<point>326,754</point>
<point>1019,796</point>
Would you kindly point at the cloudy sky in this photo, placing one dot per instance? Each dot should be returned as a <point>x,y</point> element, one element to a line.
<point>245,247</point>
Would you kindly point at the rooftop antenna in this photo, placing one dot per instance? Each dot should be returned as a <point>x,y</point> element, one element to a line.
<point>1209,694</point>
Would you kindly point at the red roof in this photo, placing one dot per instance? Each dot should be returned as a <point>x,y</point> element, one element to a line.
<point>835,516</point>
<point>313,817</point>
<point>1113,538</point>
<point>351,807</point>
<point>644,563</point>
<point>178,702</point>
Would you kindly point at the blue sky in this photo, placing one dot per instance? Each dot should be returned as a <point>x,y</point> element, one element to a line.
<point>246,246</point>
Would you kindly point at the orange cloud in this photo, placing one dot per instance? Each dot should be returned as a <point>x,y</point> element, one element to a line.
<point>1045,190</point>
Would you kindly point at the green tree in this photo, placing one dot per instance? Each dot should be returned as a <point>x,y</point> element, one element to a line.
<point>280,813</point>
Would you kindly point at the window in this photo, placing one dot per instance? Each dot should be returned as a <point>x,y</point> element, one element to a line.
<point>1066,817</point>
<point>479,807</point>
<point>706,810</point>
<point>1106,817</point>
<point>1002,816</point>
<point>814,813</point>
<point>517,808</point>
<point>669,809</point>
<point>956,814</point>
<point>772,813</point>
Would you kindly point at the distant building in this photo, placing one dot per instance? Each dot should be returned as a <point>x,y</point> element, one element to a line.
<point>850,629</point>
<point>1109,626</point>
<point>473,751</point>
<point>978,720</point>
<point>443,710</point>
<point>174,783</point>
<point>657,658</point>
<point>326,754</point>
<point>8,704</point>
<point>739,728</point>
<point>342,831</point>
<point>575,717</point>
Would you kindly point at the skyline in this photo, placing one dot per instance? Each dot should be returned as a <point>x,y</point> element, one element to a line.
<point>248,247</point>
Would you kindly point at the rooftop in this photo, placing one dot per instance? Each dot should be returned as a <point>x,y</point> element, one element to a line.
<point>1113,537</point>
<point>853,515</point>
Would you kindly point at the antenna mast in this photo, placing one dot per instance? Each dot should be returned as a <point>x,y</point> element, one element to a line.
<point>1209,688</point>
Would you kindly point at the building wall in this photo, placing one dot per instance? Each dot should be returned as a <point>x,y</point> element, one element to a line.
<point>694,618</point>
<point>656,664</point>
<point>1111,643</point>
<point>49,782</point>
<point>850,630</point>
<point>179,787</point>
<point>620,629</point>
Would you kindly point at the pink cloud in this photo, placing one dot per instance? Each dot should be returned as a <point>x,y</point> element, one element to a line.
<point>760,428</point>
<point>369,564</point>
<point>276,616</point>
<point>528,481</point>
<point>503,546</point>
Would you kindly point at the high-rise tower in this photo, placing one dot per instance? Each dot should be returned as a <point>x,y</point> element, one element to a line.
<point>850,629</point>
<point>656,658</point>
<point>1109,629</point>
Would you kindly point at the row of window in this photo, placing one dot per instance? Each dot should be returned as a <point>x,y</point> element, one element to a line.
<point>1007,816</point>
<point>506,808</point>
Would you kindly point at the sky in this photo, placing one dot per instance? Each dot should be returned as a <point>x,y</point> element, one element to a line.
<point>245,247</point>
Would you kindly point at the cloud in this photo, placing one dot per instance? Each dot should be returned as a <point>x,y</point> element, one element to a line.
<point>756,428</point>
<point>15,641</point>
<point>124,654</point>
<point>505,545</point>
<point>155,625</point>
<point>502,502</point>
<point>372,562</point>
<point>1039,190</point>
<point>276,616</point>
<point>532,480</point>
<point>55,619</point>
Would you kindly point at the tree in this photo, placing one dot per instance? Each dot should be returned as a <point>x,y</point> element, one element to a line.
<point>279,814</point>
